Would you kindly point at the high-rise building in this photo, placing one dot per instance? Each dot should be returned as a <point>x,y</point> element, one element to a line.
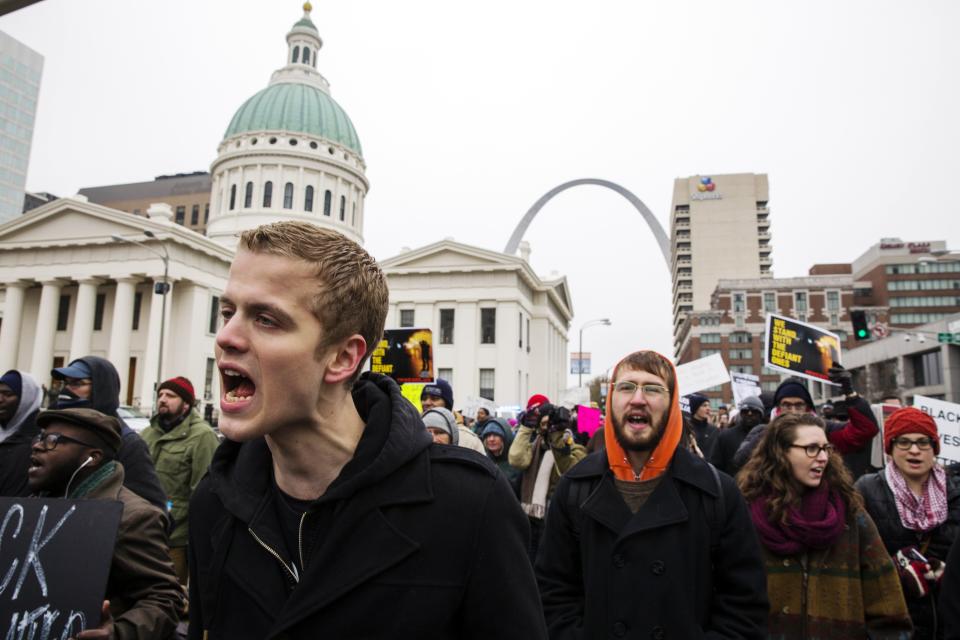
<point>719,228</point>
<point>20,70</point>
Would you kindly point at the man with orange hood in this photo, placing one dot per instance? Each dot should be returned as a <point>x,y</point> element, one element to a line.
<point>644,539</point>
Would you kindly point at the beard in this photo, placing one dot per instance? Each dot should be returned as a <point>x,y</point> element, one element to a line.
<point>648,444</point>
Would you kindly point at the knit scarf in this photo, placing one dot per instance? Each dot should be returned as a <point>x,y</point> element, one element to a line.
<point>536,480</point>
<point>925,512</point>
<point>815,524</point>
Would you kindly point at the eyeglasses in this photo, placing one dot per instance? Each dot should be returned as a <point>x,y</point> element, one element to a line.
<point>793,406</point>
<point>649,391</point>
<point>904,444</point>
<point>51,440</point>
<point>74,382</point>
<point>813,450</point>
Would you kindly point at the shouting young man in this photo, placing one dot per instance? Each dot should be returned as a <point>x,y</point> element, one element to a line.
<point>329,511</point>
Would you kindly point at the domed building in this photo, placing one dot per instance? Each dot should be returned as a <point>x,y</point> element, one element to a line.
<point>290,152</point>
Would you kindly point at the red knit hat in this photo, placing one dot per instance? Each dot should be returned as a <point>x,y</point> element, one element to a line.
<point>535,399</point>
<point>909,420</point>
<point>180,386</point>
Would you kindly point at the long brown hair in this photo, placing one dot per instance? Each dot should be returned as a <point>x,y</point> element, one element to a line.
<point>768,473</point>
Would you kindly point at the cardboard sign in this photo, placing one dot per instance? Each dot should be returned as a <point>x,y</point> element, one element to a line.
<point>800,348</point>
<point>701,374</point>
<point>947,417</point>
<point>472,403</point>
<point>412,392</point>
<point>406,355</point>
<point>744,386</point>
<point>54,560</point>
<point>588,419</point>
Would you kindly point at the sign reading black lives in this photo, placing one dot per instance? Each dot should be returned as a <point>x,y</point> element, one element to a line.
<point>799,348</point>
<point>406,355</point>
<point>54,560</point>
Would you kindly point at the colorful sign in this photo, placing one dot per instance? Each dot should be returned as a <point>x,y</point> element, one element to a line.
<point>706,190</point>
<point>947,417</point>
<point>588,419</point>
<point>580,362</point>
<point>800,348</point>
<point>406,355</point>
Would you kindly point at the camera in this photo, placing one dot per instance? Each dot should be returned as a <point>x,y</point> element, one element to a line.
<point>558,418</point>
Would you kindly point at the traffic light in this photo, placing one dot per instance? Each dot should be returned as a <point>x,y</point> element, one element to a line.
<point>860,329</point>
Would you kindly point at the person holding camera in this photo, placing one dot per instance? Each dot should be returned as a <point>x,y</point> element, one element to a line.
<point>543,450</point>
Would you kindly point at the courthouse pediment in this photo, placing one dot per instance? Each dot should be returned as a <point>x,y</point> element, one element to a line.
<point>448,255</point>
<point>66,222</point>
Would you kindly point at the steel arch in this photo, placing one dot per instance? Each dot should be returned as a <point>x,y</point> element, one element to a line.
<point>652,222</point>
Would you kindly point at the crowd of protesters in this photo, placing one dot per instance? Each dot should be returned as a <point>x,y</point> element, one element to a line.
<point>335,507</point>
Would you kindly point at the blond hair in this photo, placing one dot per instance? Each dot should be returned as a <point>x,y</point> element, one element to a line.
<point>352,295</point>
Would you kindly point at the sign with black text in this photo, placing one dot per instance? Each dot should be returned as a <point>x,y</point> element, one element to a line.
<point>947,417</point>
<point>800,348</point>
<point>54,560</point>
<point>406,355</point>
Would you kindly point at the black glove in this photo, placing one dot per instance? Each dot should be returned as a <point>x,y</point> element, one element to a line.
<point>839,375</point>
<point>531,418</point>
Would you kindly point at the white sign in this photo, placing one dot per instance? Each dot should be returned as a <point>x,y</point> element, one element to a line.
<point>701,374</point>
<point>744,386</point>
<point>472,403</point>
<point>947,417</point>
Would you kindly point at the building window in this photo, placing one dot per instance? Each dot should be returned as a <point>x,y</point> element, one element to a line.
<point>248,196</point>
<point>488,326</point>
<point>446,326</point>
<point>834,319</point>
<point>406,317</point>
<point>214,318</point>
<point>741,368</point>
<point>98,308</point>
<point>308,199</point>
<point>208,379</point>
<point>288,196</point>
<point>841,335</point>
<point>267,194</point>
<point>926,369</point>
<point>528,335</point>
<point>306,60</point>
<point>925,301</point>
<point>63,313</point>
<point>708,352</point>
<point>916,318</point>
<point>769,302</point>
<point>195,215</point>
<point>487,379</point>
<point>137,305</point>
<point>833,301</point>
<point>181,214</point>
<point>327,199</point>
<point>739,303</point>
<point>206,213</point>
<point>446,374</point>
<point>343,208</point>
<point>353,215</point>
<point>296,54</point>
<point>233,196</point>
<point>710,338</point>
<point>741,354</point>
<point>800,303</point>
<point>520,329</point>
<point>741,337</point>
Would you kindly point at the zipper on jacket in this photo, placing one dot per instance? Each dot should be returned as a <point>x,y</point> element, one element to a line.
<point>290,572</point>
<point>303,518</point>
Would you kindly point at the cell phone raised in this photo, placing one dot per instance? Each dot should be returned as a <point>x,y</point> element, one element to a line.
<point>916,555</point>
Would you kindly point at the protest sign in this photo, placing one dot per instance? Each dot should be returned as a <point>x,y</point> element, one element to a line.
<point>947,417</point>
<point>406,355</point>
<point>56,556</point>
<point>412,392</point>
<point>588,419</point>
<point>744,386</point>
<point>701,374</point>
<point>471,403</point>
<point>800,348</point>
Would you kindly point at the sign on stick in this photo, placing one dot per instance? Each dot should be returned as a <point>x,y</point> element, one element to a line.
<point>800,348</point>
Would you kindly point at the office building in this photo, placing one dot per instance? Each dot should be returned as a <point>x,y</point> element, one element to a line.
<point>188,194</point>
<point>20,71</point>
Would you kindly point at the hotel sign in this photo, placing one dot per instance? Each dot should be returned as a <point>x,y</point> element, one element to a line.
<point>913,247</point>
<point>706,190</point>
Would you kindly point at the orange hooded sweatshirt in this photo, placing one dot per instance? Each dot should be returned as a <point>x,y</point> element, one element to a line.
<point>661,456</point>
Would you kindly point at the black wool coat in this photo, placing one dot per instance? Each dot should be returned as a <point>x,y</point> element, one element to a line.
<point>424,541</point>
<point>881,505</point>
<point>607,573</point>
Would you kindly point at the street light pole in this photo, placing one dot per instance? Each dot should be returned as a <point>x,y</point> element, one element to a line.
<point>164,288</point>
<point>591,323</point>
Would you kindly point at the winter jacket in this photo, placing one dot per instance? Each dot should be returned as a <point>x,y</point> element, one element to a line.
<point>663,572</point>
<point>706,435</point>
<point>851,438</point>
<point>18,441</point>
<point>499,426</point>
<point>416,540</point>
<point>850,590</point>
<point>146,600</point>
<point>521,455</point>
<point>726,447</point>
<point>140,476</point>
<point>950,596</point>
<point>881,505</point>
<point>181,457</point>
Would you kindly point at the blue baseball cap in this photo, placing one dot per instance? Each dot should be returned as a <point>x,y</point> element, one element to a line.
<point>76,369</point>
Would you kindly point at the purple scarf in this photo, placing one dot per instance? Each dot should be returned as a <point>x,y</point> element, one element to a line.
<point>815,524</point>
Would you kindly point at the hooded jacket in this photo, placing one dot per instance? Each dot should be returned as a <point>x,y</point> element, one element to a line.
<point>140,475</point>
<point>661,572</point>
<point>500,427</point>
<point>17,439</point>
<point>399,544</point>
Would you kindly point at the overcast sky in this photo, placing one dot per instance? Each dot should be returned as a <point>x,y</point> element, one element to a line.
<point>468,113</point>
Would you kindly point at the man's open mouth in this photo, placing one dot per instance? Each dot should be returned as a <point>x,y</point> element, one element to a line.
<point>236,385</point>
<point>638,419</point>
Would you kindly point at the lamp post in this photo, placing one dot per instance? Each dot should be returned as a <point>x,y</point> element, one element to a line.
<point>590,323</point>
<point>161,287</point>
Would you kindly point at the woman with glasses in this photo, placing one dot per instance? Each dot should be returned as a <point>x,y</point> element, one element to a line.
<point>828,573</point>
<point>916,505</point>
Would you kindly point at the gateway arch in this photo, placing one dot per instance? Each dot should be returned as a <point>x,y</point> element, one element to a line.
<point>655,226</point>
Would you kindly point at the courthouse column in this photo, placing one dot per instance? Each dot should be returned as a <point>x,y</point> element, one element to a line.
<point>12,321</point>
<point>120,329</point>
<point>42,360</point>
<point>83,318</point>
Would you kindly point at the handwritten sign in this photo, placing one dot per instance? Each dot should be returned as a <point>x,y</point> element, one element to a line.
<point>701,374</point>
<point>744,386</point>
<point>54,560</point>
<point>406,355</point>
<point>947,417</point>
<point>800,348</point>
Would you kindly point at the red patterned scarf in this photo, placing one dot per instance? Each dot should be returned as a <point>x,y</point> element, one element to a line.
<point>924,512</point>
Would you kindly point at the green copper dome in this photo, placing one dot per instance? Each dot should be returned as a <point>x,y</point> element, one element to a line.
<point>295,107</point>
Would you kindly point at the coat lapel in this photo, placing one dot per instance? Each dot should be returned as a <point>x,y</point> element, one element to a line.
<point>606,505</point>
<point>664,507</point>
